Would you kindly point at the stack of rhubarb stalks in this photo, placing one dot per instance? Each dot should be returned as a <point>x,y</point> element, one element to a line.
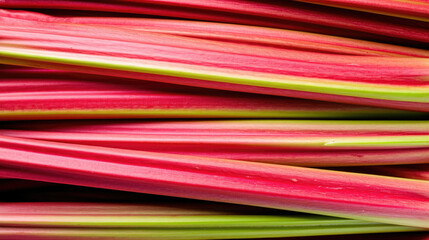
<point>222,119</point>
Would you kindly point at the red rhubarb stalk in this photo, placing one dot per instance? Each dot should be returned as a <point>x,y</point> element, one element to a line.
<point>280,142</point>
<point>49,94</point>
<point>377,94</point>
<point>359,196</point>
<point>348,79</point>
<point>226,33</point>
<point>268,13</point>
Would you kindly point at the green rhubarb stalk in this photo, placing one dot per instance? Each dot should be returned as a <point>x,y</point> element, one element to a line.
<point>146,216</point>
<point>163,221</point>
<point>216,233</point>
<point>179,222</point>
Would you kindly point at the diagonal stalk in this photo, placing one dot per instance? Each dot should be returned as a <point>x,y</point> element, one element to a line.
<point>358,196</point>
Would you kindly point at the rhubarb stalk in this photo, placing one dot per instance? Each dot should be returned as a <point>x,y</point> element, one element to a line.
<point>292,142</point>
<point>250,13</point>
<point>400,81</point>
<point>49,94</point>
<point>359,196</point>
<point>222,36</point>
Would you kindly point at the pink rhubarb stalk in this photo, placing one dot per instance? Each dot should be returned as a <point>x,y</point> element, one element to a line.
<point>145,207</point>
<point>359,196</point>
<point>303,143</point>
<point>248,12</point>
<point>224,34</point>
<point>400,82</point>
<point>49,94</point>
